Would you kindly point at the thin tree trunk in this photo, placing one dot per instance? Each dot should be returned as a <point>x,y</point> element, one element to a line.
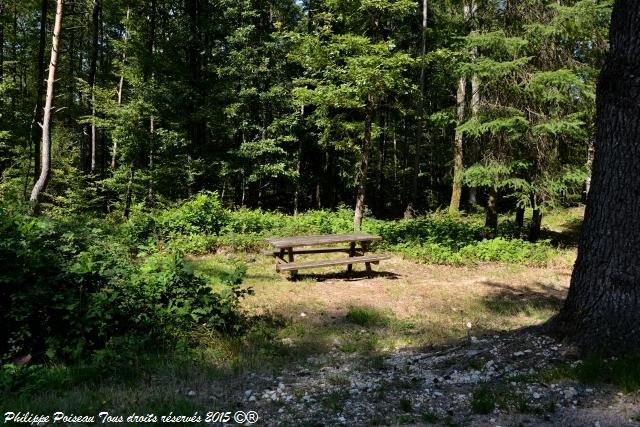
<point>1,43</point>
<point>458,165</point>
<point>46,122</point>
<point>410,211</point>
<point>92,79</point>
<point>361,183</point>
<point>296,195</point>
<point>474,147</point>
<point>602,310</point>
<point>590,153</point>
<point>36,129</point>
<point>114,149</point>
<point>129,197</point>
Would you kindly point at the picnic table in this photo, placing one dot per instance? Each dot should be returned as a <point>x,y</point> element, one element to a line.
<point>317,244</point>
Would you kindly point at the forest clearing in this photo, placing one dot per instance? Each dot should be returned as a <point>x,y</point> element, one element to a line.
<point>416,344</point>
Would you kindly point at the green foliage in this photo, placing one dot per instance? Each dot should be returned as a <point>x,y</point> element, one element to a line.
<point>440,228</point>
<point>623,372</point>
<point>68,289</point>
<point>509,251</point>
<point>367,316</point>
<point>202,214</point>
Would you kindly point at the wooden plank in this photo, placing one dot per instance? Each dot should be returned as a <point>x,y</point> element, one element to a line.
<point>322,250</point>
<point>322,239</point>
<point>329,262</point>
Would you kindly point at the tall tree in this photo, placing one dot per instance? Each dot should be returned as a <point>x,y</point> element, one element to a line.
<point>46,120</point>
<point>411,206</point>
<point>93,66</point>
<point>602,310</point>
<point>36,130</point>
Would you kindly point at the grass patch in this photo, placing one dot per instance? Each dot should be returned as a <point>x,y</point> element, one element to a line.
<point>622,372</point>
<point>367,316</point>
<point>429,417</point>
<point>483,400</point>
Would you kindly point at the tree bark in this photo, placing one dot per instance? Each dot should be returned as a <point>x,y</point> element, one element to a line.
<point>458,165</point>
<point>520,217</point>
<point>602,310</point>
<point>536,225</point>
<point>410,211</point>
<point>361,183</point>
<point>46,122</point>
<point>491,219</point>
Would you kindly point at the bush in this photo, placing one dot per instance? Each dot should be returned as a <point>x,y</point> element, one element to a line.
<point>512,251</point>
<point>202,214</point>
<point>441,229</point>
<point>69,289</point>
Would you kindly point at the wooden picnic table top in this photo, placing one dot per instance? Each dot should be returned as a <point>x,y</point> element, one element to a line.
<point>321,239</point>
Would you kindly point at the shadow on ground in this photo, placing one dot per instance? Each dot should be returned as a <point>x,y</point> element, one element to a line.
<point>529,300</point>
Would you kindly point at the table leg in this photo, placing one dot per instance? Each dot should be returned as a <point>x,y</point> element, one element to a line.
<point>365,248</point>
<point>352,252</point>
<point>290,257</point>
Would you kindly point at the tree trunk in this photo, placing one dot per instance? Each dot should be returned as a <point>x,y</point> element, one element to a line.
<point>114,149</point>
<point>129,197</point>
<point>458,166</point>
<point>474,146</point>
<point>361,183</point>
<point>602,310</point>
<point>46,122</point>
<point>520,217</point>
<point>36,129</point>
<point>410,211</point>
<point>536,225</point>
<point>491,220</point>
<point>1,43</point>
<point>587,184</point>
<point>92,79</point>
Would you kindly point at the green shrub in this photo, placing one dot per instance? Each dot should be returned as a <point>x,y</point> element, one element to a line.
<point>202,214</point>
<point>511,251</point>
<point>68,290</point>
<point>440,229</point>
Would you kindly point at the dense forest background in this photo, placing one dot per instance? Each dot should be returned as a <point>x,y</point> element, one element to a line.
<point>290,106</point>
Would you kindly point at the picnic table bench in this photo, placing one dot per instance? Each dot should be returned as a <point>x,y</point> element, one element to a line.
<point>309,245</point>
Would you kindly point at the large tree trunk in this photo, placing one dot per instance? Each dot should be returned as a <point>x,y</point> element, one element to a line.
<point>46,122</point>
<point>413,197</point>
<point>602,310</point>
<point>364,166</point>
<point>458,165</point>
